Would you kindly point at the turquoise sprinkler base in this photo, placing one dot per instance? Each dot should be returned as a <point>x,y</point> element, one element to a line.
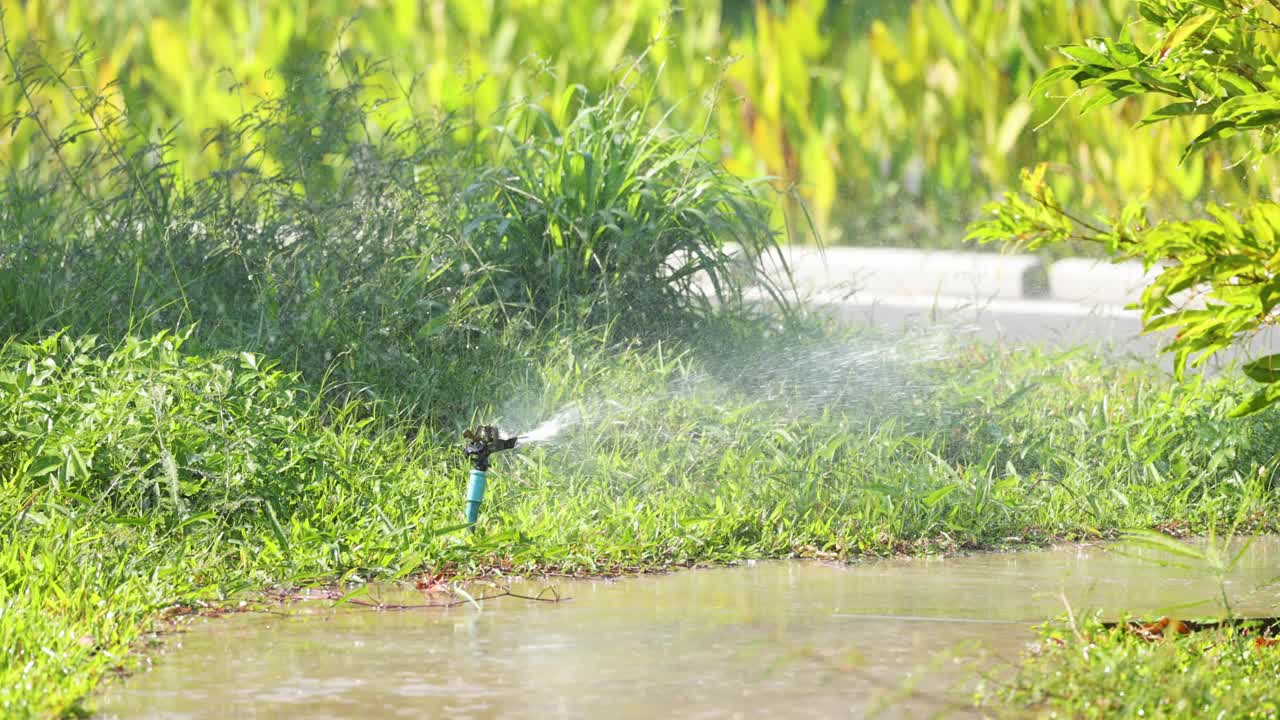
<point>475,494</point>
<point>481,443</point>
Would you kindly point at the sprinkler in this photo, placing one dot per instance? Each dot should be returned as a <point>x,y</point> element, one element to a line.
<point>481,443</point>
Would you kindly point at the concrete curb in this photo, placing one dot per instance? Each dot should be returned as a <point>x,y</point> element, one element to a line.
<point>911,272</point>
<point>1097,281</point>
<point>971,276</point>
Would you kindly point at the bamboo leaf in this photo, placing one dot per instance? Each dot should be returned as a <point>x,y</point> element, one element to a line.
<point>1264,370</point>
<point>1260,400</point>
<point>1086,55</point>
<point>1181,33</point>
<point>1175,110</point>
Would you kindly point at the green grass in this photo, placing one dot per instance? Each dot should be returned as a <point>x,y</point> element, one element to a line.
<point>1082,668</point>
<point>142,476</point>
<point>1113,674</point>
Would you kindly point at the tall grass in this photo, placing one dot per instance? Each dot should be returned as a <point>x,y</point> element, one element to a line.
<point>357,245</point>
<point>607,210</point>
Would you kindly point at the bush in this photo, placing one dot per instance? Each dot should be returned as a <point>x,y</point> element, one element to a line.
<point>608,218</point>
<point>374,252</point>
<point>1216,278</point>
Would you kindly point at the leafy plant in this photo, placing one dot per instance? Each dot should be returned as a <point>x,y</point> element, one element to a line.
<point>627,220</point>
<point>1217,279</point>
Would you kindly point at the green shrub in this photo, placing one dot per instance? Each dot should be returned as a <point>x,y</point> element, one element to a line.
<point>1215,279</point>
<point>376,252</point>
<point>616,220</point>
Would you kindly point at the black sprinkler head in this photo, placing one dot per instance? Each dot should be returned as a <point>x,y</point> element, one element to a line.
<point>483,442</point>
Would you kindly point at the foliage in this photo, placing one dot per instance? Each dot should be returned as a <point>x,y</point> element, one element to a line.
<point>290,341</point>
<point>358,256</point>
<point>1216,278</point>
<point>891,120</point>
<point>133,478</point>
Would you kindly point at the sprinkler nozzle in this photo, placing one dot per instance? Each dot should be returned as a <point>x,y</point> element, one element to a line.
<point>483,442</point>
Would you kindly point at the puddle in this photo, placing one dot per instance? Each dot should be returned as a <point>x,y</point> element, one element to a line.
<point>773,639</point>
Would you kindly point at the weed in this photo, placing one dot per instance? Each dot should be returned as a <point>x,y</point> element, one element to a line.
<point>1115,673</point>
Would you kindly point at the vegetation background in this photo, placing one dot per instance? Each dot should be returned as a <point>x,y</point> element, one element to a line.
<point>893,120</point>
<point>261,262</point>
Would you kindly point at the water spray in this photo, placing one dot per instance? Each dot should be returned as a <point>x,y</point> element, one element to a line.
<point>481,443</point>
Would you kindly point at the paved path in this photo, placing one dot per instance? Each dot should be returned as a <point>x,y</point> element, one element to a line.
<point>1013,298</point>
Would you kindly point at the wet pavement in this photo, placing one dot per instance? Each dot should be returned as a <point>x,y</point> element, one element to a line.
<point>907,638</point>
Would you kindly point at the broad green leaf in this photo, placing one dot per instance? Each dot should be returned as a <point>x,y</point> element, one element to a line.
<point>276,527</point>
<point>1106,98</point>
<point>1173,110</point>
<point>1246,105</point>
<point>1216,131</point>
<point>1058,74</point>
<point>1181,33</point>
<point>937,496</point>
<point>1087,55</point>
<point>1235,81</point>
<point>1265,369</point>
<point>1123,53</point>
<point>44,465</point>
<point>1260,400</point>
